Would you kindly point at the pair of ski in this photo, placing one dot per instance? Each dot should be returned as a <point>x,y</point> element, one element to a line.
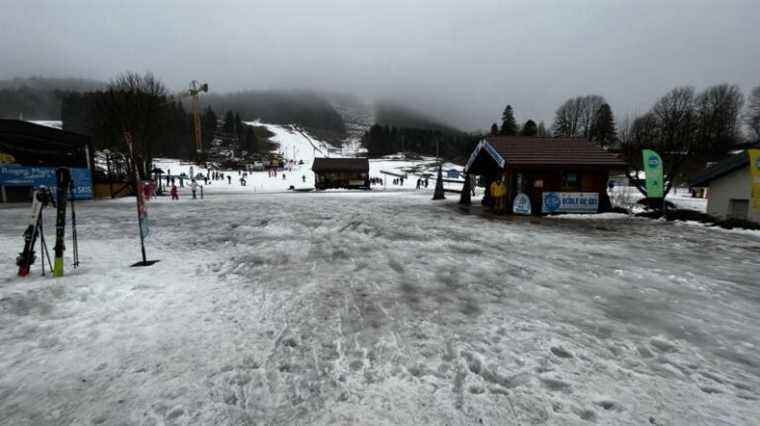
<point>40,199</point>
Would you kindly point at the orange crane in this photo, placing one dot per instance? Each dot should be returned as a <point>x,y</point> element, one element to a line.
<point>194,91</point>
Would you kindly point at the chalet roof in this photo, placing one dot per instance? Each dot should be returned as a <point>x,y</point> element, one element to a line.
<point>532,151</point>
<point>722,168</point>
<point>33,144</point>
<point>340,165</point>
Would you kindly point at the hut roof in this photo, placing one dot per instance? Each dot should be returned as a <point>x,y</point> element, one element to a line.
<point>340,165</point>
<point>32,144</point>
<point>722,168</point>
<point>532,151</point>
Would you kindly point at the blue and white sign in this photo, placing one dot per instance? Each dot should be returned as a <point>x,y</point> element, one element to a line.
<point>16,175</point>
<point>570,202</point>
<point>521,204</point>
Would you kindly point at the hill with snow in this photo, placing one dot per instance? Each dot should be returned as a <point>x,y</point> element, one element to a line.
<point>299,148</point>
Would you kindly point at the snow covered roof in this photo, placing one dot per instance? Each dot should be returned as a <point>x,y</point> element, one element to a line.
<point>340,165</point>
<point>532,151</point>
<point>728,165</point>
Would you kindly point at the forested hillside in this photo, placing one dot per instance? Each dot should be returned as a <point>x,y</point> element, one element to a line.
<point>39,98</point>
<point>281,107</point>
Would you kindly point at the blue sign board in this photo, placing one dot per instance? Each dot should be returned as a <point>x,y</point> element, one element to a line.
<point>570,202</point>
<point>14,175</point>
<point>453,174</point>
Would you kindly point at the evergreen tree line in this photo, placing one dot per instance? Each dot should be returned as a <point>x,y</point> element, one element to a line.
<point>509,126</point>
<point>306,109</point>
<point>248,139</point>
<point>385,140</point>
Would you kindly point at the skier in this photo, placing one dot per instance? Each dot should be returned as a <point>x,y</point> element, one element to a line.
<point>419,184</point>
<point>303,178</point>
<point>229,180</point>
<point>205,180</point>
<point>194,188</point>
<point>173,193</point>
<point>283,176</point>
<point>182,181</point>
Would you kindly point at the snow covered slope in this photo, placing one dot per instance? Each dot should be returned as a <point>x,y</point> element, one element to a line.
<point>297,144</point>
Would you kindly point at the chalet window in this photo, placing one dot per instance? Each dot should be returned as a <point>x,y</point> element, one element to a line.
<point>570,181</point>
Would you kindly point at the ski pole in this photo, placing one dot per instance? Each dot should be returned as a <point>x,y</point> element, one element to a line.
<point>75,246</point>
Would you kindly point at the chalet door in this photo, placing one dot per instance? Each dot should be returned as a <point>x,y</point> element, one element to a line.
<point>737,209</point>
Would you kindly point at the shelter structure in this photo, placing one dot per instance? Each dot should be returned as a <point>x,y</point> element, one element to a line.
<point>30,154</point>
<point>557,175</point>
<point>349,173</point>
<point>729,184</point>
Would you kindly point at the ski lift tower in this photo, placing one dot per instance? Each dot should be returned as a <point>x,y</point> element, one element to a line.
<point>194,91</point>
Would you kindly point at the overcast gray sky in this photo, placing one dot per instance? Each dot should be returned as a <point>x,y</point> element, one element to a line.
<point>463,60</point>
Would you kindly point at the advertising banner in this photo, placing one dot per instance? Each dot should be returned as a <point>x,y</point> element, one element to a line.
<point>570,202</point>
<point>653,169</point>
<point>754,172</point>
<point>15,175</point>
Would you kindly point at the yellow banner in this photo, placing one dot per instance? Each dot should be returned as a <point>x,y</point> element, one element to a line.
<point>754,171</point>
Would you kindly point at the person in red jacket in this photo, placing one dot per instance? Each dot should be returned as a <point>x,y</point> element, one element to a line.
<point>173,193</point>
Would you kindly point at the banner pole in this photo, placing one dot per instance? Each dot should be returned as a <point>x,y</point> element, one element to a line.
<point>139,201</point>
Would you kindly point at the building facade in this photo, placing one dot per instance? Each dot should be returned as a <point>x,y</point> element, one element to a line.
<point>557,175</point>
<point>347,173</point>
<point>729,188</point>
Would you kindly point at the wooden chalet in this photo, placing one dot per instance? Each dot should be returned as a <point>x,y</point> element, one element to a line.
<point>349,173</point>
<point>558,175</point>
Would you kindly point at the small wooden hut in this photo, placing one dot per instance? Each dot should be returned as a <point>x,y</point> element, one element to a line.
<point>349,173</point>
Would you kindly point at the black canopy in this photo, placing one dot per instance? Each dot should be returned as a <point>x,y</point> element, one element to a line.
<point>30,144</point>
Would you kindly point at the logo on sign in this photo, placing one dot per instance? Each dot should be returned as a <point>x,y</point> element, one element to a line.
<point>521,204</point>
<point>653,162</point>
<point>552,202</point>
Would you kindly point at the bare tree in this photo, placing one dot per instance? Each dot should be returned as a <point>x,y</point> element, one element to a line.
<point>752,116</point>
<point>718,109</point>
<point>567,118</point>
<point>577,116</point>
<point>590,106</point>
<point>135,103</point>
<point>669,128</point>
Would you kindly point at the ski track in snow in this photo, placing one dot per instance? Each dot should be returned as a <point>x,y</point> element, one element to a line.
<point>379,308</point>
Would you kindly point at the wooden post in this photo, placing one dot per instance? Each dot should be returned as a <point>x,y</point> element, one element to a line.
<point>438,194</point>
<point>465,197</point>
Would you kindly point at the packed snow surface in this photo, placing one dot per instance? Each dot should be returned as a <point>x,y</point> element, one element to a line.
<point>378,308</point>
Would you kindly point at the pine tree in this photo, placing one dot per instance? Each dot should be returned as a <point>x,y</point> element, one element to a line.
<point>229,122</point>
<point>208,127</point>
<point>250,142</point>
<point>508,123</point>
<point>603,131</point>
<point>529,129</point>
<point>541,131</point>
<point>494,129</point>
